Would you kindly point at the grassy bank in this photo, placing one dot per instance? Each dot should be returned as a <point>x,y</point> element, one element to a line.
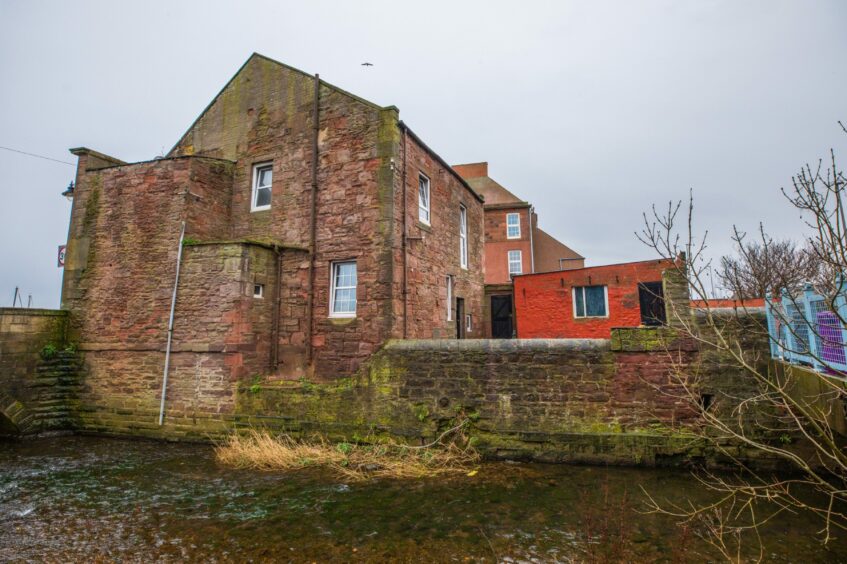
<point>264,451</point>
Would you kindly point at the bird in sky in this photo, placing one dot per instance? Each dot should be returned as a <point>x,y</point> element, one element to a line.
<point>367,64</point>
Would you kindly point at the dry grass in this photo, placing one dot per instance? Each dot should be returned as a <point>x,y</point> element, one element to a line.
<point>263,451</point>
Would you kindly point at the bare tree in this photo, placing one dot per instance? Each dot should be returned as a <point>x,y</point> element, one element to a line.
<point>774,417</point>
<point>766,267</point>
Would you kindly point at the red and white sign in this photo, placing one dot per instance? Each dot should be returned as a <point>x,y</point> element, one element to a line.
<point>61,255</point>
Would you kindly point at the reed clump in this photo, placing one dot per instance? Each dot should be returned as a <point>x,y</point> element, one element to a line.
<point>262,450</point>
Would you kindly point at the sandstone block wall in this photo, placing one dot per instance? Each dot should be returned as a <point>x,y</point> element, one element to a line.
<point>433,250</point>
<point>23,335</point>
<point>552,400</point>
<point>221,335</point>
<point>38,376</point>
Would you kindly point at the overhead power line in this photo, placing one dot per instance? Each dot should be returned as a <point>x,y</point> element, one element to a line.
<point>36,156</point>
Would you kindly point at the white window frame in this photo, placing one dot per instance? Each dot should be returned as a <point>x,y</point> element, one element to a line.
<point>519,261</point>
<point>255,192</point>
<point>468,322</point>
<point>517,216</point>
<point>258,290</point>
<point>424,207</point>
<point>332,272</point>
<point>584,303</point>
<point>449,298</point>
<point>463,236</point>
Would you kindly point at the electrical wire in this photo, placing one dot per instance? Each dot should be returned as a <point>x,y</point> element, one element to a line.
<point>36,156</point>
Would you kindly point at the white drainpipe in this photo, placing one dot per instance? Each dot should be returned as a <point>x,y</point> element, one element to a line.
<point>531,243</point>
<point>171,328</point>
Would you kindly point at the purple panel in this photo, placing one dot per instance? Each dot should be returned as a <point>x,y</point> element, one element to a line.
<point>832,344</point>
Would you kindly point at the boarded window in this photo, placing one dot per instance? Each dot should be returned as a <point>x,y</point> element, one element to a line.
<point>652,302</point>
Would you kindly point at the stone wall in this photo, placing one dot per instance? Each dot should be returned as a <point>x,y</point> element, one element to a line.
<point>221,335</point>
<point>126,218</point>
<point>433,250</point>
<point>591,401</point>
<point>265,114</point>
<point>597,401</point>
<point>38,372</point>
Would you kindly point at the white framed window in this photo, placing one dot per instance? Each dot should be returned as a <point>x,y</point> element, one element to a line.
<point>468,322</point>
<point>263,175</point>
<point>258,290</point>
<point>342,299</point>
<point>423,199</point>
<point>591,301</point>
<point>449,298</point>
<point>463,236</point>
<point>515,262</point>
<point>513,226</point>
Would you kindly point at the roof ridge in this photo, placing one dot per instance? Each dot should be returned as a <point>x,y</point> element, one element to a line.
<point>280,63</point>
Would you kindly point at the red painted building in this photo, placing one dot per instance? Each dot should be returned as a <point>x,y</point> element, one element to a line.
<point>589,302</point>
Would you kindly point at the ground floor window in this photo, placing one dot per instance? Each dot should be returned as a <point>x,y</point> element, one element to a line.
<point>449,298</point>
<point>343,289</point>
<point>591,301</point>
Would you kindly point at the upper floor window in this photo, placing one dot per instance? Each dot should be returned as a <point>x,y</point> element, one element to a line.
<point>591,301</point>
<point>262,180</point>
<point>449,298</point>
<point>463,236</point>
<point>515,262</point>
<point>423,199</point>
<point>342,300</point>
<point>513,226</point>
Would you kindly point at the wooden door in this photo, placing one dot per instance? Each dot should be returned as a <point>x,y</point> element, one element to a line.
<point>501,317</point>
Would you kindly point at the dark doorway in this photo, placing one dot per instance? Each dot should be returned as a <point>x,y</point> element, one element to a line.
<point>501,317</point>
<point>460,318</point>
<point>652,301</point>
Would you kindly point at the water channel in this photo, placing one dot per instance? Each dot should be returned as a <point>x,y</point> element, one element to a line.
<point>75,499</point>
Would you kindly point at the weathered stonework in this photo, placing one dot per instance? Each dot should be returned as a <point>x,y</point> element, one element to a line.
<point>39,372</point>
<point>127,218</point>
<point>591,401</point>
<point>548,400</point>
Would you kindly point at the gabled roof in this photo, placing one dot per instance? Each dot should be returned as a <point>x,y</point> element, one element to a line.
<point>241,68</point>
<point>494,193</point>
<point>550,249</point>
<point>326,84</point>
<point>476,175</point>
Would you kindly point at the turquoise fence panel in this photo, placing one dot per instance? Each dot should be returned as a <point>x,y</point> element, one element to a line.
<point>808,329</point>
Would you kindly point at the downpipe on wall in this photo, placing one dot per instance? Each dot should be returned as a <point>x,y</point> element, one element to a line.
<point>171,327</point>
<point>310,300</point>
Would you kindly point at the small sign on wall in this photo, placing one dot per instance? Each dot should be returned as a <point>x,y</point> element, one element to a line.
<point>61,256</point>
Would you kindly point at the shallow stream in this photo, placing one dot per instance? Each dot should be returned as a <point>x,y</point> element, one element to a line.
<point>95,499</point>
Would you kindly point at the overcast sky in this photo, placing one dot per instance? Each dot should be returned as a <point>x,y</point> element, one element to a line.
<point>592,111</point>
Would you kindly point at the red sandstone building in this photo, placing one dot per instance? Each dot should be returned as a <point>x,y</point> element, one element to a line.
<point>514,245</point>
<point>317,225</point>
<point>589,302</point>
